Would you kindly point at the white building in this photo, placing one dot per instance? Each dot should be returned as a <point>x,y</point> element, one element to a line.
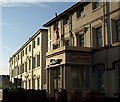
<point>28,63</point>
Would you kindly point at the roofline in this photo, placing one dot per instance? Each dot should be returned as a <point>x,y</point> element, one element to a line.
<point>65,12</point>
<point>27,42</point>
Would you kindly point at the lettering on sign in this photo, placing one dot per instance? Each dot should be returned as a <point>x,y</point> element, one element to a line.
<point>79,59</point>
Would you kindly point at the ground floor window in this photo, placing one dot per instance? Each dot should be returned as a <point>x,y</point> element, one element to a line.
<point>80,75</point>
<point>33,83</point>
<point>29,83</point>
<point>38,83</point>
<point>100,77</point>
<point>57,78</point>
<point>118,75</point>
<point>26,84</point>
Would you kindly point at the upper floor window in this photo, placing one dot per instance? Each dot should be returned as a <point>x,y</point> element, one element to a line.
<point>118,30</point>
<point>55,46</point>
<point>29,64</point>
<point>29,47</point>
<point>38,60</point>
<point>12,61</point>
<point>55,26</point>
<point>26,51</point>
<point>66,20</point>
<point>80,12</point>
<point>34,62</point>
<point>95,5</point>
<point>25,66</point>
<point>67,42</point>
<point>18,56</point>
<point>99,36</point>
<point>23,52</point>
<point>34,44</point>
<point>38,41</point>
<point>82,40</point>
<point>18,70</point>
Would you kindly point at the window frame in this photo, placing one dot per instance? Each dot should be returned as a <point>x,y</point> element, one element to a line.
<point>56,45</point>
<point>80,12</point>
<point>66,20</point>
<point>117,30</point>
<point>38,41</point>
<point>79,74</point>
<point>96,5</point>
<point>82,40</point>
<point>99,40</point>
<point>100,78</point>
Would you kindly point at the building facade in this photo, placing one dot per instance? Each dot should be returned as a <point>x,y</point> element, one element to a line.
<point>28,63</point>
<point>83,48</point>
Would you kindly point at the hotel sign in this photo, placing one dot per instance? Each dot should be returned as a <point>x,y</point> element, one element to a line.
<point>75,58</point>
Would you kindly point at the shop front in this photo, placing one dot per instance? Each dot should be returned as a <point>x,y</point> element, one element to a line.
<point>68,69</point>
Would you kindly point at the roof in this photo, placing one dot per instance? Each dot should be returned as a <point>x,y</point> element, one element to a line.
<point>66,12</point>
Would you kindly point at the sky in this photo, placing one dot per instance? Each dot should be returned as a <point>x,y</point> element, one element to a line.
<point>19,20</point>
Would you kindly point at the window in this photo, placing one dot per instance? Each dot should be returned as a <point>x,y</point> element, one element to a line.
<point>33,83</point>
<point>80,12</point>
<point>57,78</point>
<point>66,20</point>
<point>38,83</point>
<point>23,52</point>
<point>80,76</point>
<point>82,40</point>
<point>118,30</point>
<point>38,41</point>
<point>100,77</point>
<point>55,46</point>
<point>29,64</point>
<point>38,60</point>
<point>26,84</point>
<point>34,62</point>
<point>34,44</point>
<point>18,72</point>
<point>55,26</point>
<point>22,68</point>
<point>29,83</point>
<point>18,57</point>
<point>29,47</point>
<point>25,66</point>
<point>26,51</point>
<point>118,75</point>
<point>99,36</point>
<point>67,42</point>
<point>96,5</point>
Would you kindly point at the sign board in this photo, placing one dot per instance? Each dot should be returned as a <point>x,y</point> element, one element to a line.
<point>76,58</point>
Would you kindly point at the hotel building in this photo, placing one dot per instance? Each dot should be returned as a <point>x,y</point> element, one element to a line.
<point>84,48</point>
<point>28,63</point>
